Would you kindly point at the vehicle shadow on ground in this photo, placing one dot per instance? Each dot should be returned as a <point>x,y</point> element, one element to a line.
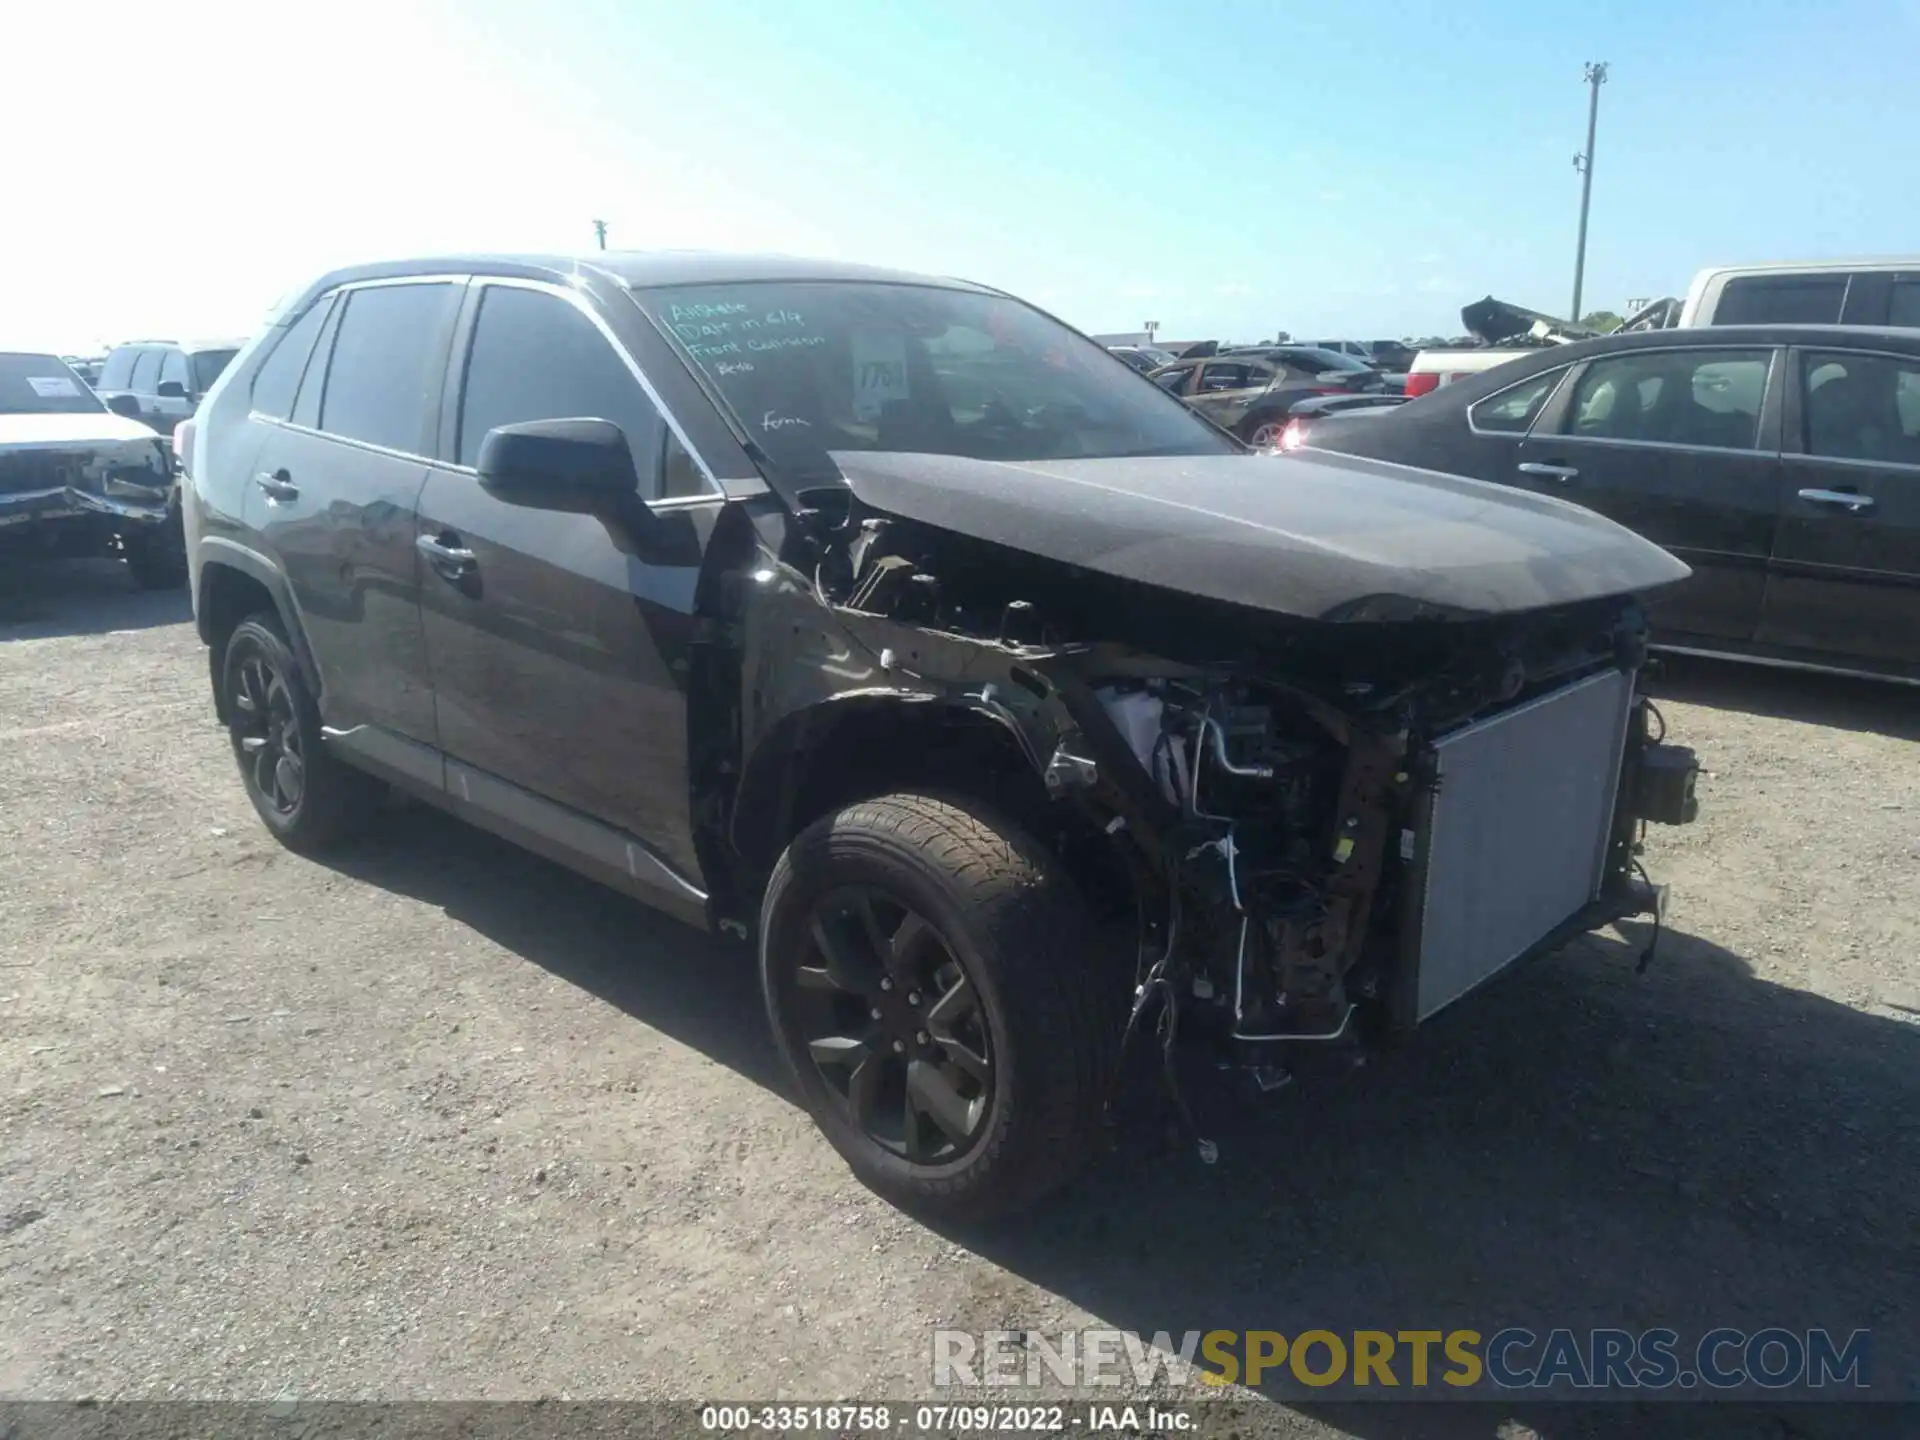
<point>1841,701</point>
<point>41,599</point>
<point>700,990</point>
<point>1580,1146</point>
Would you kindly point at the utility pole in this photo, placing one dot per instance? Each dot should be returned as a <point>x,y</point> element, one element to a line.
<point>600,226</point>
<point>1596,76</point>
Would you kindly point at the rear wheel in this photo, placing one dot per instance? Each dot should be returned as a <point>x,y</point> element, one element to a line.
<point>306,796</point>
<point>931,979</point>
<point>1263,431</point>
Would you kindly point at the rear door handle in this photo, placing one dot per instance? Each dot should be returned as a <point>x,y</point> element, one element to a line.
<point>1848,500</point>
<point>1554,472</point>
<point>451,562</point>
<point>278,485</point>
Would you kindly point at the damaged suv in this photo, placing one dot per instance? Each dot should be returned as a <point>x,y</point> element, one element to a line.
<point>1017,714</point>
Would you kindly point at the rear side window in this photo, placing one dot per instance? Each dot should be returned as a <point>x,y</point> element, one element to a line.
<point>278,378</point>
<point>1862,407</point>
<point>118,369</point>
<point>1782,300</point>
<point>173,366</point>
<point>535,357</point>
<point>385,359</point>
<point>146,371</point>
<point>1511,410</point>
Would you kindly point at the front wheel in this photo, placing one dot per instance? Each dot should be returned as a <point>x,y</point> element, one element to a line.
<point>932,982</point>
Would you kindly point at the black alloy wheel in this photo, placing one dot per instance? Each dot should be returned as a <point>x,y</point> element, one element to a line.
<point>306,795</point>
<point>934,986</point>
<point>894,1026</point>
<point>266,734</point>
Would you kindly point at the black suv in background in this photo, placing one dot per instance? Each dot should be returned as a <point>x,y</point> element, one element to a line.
<point>161,382</point>
<point>1017,712</point>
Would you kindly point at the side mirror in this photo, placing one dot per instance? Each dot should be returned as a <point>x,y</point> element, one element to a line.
<point>171,390</point>
<point>576,465</point>
<point>124,405</point>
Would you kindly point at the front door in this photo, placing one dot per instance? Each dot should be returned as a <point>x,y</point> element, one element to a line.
<point>560,643</point>
<point>1681,447</point>
<point>333,492</point>
<point>1846,576</point>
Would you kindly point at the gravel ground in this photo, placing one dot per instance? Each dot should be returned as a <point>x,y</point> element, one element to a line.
<point>442,1120</point>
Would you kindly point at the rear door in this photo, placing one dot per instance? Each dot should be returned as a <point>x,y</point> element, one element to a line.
<point>1846,577</point>
<point>1680,445</point>
<point>560,645</point>
<point>333,496</point>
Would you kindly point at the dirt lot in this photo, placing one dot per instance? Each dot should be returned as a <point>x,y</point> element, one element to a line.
<point>443,1120</point>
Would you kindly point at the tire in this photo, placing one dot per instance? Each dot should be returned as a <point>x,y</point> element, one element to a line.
<point>1269,422</point>
<point>1000,926</point>
<point>157,554</point>
<point>314,802</point>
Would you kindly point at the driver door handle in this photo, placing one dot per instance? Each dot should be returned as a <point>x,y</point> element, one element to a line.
<point>278,485</point>
<point>450,562</point>
<point>1554,472</point>
<point>1850,501</point>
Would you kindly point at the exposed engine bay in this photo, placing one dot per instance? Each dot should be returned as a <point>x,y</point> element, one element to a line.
<point>1282,795</point>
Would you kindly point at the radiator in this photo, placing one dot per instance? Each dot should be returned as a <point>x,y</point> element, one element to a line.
<point>1517,838</point>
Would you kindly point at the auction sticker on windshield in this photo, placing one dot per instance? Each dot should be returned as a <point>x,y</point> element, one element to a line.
<point>879,371</point>
<point>51,387</point>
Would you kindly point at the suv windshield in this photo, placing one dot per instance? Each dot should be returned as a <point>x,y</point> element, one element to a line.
<point>43,385</point>
<point>810,367</point>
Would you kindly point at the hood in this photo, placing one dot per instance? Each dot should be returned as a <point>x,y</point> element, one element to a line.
<point>82,429</point>
<point>1498,322</point>
<point>1330,537</point>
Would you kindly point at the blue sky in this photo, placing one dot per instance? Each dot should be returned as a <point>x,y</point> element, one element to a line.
<point>1224,168</point>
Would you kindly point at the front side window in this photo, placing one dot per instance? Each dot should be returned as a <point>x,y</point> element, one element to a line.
<point>173,366</point>
<point>207,365</point>
<point>1706,398</point>
<point>278,379</point>
<point>809,368</point>
<point>385,359</point>
<point>118,369</point>
<point>1174,381</point>
<point>1903,304</point>
<point>43,385</point>
<point>1782,300</point>
<point>146,371</point>
<point>535,357</point>
<point>1861,407</point>
<point>1512,410</point>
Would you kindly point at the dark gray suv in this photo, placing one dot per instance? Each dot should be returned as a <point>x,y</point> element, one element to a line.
<point>1021,717</point>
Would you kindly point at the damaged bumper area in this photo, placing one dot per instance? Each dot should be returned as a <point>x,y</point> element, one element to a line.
<point>115,486</point>
<point>1322,824</point>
